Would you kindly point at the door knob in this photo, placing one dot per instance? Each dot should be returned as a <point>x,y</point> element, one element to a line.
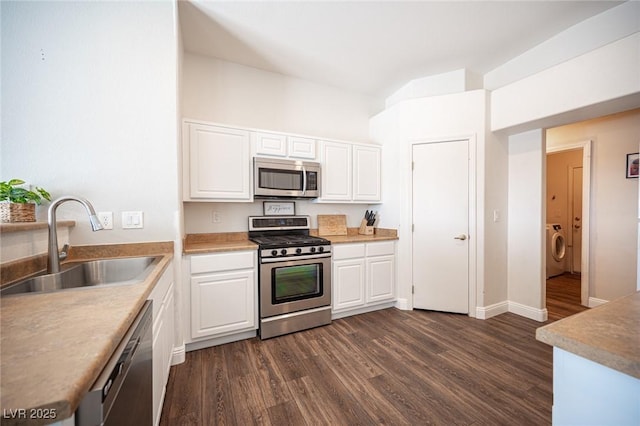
<point>460,237</point>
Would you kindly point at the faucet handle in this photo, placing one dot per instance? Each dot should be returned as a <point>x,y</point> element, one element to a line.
<point>64,252</point>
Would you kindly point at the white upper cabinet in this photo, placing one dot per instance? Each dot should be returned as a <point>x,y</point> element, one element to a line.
<point>366,173</point>
<point>286,146</point>
<point>217,163</point>
<point>271,144</point>
<point>350,172</point>
<point>336,171</point>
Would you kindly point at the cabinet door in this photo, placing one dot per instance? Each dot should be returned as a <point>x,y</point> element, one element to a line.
<point>348,284</point>
<point>380,279</point>
<point>159,337</point>
<point>219,163</point>
<point>222,303</point>
<point>302,147</point>
<point>366,173</point>
<point>271,144</point>
<point>169,326</point>
<point>336,171</point>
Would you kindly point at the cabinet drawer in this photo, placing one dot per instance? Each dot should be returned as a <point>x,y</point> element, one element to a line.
<point>380,249</point>
<point>347,251</point>
<point>223,261</point>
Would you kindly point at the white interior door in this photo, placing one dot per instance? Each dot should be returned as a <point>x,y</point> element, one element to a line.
<point>441,226</point>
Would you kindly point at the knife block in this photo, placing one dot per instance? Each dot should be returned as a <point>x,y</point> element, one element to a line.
<point>364,229</point>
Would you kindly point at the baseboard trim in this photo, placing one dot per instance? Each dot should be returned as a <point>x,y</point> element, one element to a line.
<point>363,310</point>
<point>593,302</point>
<point>179,355</point>
<point>486,312</point>
<point>193,346</point>
<point>403,304</point>
<point>540,315</point>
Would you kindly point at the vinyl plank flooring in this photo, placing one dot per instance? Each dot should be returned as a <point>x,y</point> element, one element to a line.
<point>385,367</point>
<point>184,391</point>
<point>217,405</point>
<point>563,296</point>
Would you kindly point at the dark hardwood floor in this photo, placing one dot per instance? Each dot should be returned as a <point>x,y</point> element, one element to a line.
<point>563,296</point>
<point>386,367</point>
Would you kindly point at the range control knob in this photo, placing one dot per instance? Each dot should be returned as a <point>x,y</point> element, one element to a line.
<point>320,249</point>
<point>283,252</point>
<point>298,250</point>
<point>313,250</point>
<point>274,252</point>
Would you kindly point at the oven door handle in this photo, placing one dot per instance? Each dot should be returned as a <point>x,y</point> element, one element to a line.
<point>293,258</point>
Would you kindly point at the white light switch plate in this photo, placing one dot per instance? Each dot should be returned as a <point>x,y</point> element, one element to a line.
<point>132,220</point>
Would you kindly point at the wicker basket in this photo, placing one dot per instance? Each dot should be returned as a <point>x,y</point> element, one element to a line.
<point>17,212</point>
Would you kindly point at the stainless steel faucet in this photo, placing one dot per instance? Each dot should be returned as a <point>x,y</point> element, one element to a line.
<point>53,265</point>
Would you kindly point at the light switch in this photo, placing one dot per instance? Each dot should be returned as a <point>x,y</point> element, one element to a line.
<point>132,220</point>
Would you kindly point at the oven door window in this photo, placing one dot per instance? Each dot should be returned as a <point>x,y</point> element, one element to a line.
<point>296,282</point>
<point>290,180</point>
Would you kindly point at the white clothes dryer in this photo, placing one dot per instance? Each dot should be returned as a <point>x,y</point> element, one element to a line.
<point>556,250</point>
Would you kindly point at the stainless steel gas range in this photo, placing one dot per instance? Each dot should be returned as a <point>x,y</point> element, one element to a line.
<point>294,275</point>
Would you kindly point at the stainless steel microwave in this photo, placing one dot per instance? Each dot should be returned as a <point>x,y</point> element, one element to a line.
<point>285,178</point>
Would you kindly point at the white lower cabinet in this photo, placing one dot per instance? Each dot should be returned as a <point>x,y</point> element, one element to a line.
<point>363,277</point>
<point>163,329</point>
<point>223,295</point>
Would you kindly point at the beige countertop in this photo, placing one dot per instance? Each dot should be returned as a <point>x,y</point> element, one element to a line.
<point>608,334</point>
<point>54,345</point>
<point>232,241</point>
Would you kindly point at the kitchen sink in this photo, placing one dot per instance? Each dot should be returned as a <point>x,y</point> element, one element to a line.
<point>88,274</point>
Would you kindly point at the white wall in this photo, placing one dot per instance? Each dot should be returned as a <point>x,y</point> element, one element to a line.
<point>233,217</point>
<point>89,109</point>
<point>229,93</point>
<point>603,75</point>
<point>614,200</point>
<point>223,92</point>
<point>526,227</point>
<point>444,117</point>
<point>496,218</point>
<point>593,33</point>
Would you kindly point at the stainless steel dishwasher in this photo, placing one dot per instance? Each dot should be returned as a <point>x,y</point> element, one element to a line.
<point>123,393</point>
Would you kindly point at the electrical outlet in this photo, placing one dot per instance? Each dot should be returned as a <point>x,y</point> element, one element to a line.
<point>106,219</point>
<point>132,220</point>
<point>215,217</point>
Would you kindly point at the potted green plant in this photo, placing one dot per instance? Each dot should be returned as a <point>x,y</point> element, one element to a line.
<point>18,204</point>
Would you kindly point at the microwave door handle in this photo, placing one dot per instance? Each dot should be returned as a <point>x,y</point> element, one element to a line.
<point>304,180</point>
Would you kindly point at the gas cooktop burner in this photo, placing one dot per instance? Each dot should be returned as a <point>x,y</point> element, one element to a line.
<point>288,240</point>
<point>286,236</point>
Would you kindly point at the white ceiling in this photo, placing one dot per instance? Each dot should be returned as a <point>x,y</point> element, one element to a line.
<point>374,47</point>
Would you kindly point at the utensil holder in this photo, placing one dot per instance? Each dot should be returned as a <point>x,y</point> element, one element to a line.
<point>364,229</point>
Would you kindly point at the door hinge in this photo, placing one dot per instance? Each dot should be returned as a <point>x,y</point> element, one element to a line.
<point>413,289</point>
<point>413,165</point>
<point>413,227</point>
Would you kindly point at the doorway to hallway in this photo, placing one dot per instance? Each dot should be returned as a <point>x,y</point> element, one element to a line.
<point>567,213</point>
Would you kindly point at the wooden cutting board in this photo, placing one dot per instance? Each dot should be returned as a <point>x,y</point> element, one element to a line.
<point>332,224</point>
